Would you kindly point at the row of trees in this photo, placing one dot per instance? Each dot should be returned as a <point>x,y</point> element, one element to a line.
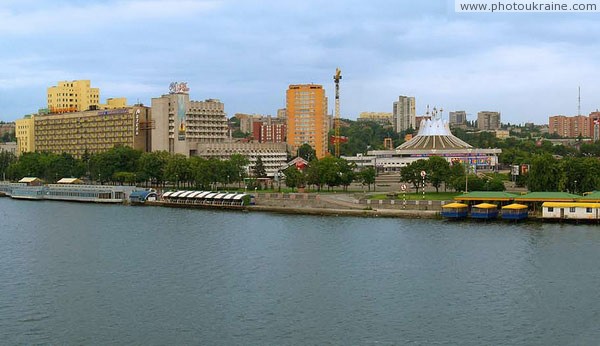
<point>572,174</point>
<point>125,165</point>
<point>439,172</point>
<point>328,172</point>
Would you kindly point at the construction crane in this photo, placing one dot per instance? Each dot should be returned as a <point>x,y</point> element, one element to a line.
<point>336,121</point>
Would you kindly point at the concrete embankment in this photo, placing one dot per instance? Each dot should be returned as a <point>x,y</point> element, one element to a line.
<point>410,214</point>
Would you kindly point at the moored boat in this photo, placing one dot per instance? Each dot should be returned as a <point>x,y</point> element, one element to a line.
<point>515,211</point>
<point>484,211</point>
<point>455,210</point>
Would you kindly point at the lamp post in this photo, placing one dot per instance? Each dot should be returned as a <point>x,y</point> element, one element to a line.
<point>423,175</point>
<point>279,180</point>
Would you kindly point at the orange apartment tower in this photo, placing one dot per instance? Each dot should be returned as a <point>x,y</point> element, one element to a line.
<point>307,120</point>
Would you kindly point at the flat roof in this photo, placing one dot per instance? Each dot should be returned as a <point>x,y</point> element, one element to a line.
<point>547,197</point>
<point>486,196</point>
<point>570,205</point>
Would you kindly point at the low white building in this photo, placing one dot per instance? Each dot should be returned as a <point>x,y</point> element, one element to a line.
<point>273,155</point>
<point>571,210</point>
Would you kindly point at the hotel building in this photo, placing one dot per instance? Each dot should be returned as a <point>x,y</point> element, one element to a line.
<point>92,131</point>
<point>181,124</point>
<point>307,120</point>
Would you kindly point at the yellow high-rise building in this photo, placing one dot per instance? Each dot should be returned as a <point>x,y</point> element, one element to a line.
<point>307,120</point>
<point>73,96</point>
<point>24,131</point>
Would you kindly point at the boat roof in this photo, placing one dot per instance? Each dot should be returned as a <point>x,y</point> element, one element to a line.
<point>485,206</point>
<point>515,206</point>
<point>455,205</point>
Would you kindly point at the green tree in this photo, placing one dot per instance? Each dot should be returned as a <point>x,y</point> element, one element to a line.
<point>152,166</point>
<point>544,173</point>
<point>438,171</point>
<point>367,177</point>
<point>411,173</point>
<point>259,169</point>
<point>345,172</point>
<point>307,152</point>
<point>178,169</point>
<point>294,178</point>
<point>6,159</point>
<point>239,164</point>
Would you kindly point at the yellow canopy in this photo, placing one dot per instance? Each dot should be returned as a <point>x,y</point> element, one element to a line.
<point>485,206</point>
<point>515,206</point>
<point>455,205</point>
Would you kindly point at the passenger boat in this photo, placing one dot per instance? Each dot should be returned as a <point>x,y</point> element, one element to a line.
<point>455,210</point>
<point>484,211</point>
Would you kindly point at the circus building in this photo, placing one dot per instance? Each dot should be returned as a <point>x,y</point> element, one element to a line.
<point>434,139</point>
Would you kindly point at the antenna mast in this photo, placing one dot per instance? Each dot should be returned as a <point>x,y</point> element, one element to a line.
<point>336,121</point>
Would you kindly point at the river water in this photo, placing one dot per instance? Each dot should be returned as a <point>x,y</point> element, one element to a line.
<point>93,274</point>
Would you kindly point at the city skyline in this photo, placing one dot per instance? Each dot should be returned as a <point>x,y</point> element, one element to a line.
<point>246,54</point>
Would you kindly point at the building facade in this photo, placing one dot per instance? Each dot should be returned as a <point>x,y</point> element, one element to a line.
<point>25,137</point>
<point>72,96</point>
<point>273,155</point>
<point>382,118</point>
<point>181,124</point>
<point>572,127</point>
<point>93,131</point>
<point>457,118</point>
<point>404,114</point>
<point>9,147</point>
<point>307,119</point>
<point>269,132</point>
<point>487,120</point>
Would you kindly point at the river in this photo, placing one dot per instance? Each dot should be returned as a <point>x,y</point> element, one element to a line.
<point>93,274</point>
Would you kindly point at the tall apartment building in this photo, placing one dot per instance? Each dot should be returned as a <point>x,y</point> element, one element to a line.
<point>25,137</point>
<point>457,118</point>
<point>92,131</point>
<point>77,96</point>
<point>307,119</point>
<point>487,120</point>
<point>182,124</point>
<point>269,130</point>
<point>404,114</point>
<point>572,127</point>
<point>595,125</point>
<point>72,96</point>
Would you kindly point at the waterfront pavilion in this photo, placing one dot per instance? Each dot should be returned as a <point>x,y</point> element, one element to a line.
<point>499,197</point>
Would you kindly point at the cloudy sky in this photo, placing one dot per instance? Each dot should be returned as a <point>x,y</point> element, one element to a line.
<point>246,53</point>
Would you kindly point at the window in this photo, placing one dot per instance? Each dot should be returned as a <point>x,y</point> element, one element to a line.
<point>571,210</point>
<point>588,210</point>
<point>550,209</point>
